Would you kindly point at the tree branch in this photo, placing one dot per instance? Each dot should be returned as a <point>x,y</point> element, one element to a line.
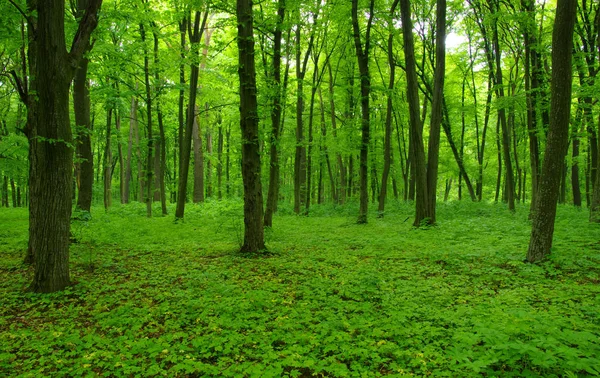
<point>21,11</point>
<point>81,41</point>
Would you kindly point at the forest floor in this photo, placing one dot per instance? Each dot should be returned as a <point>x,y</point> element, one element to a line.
<point>337,299</point>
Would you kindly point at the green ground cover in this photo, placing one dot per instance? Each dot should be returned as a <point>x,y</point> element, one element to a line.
<point>155,298</point>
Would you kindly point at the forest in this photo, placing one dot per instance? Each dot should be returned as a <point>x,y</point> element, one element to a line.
<point>328,188</point>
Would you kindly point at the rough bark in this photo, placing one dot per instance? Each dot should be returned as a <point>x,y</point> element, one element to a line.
<point>542,231</point>
<point>132,128</point>
<point>150,145</point>
<point>505,135</point>
<point>362,55</point>
<point>107,161</point>
<point>412,95</point>
<point>433,150</point>
<point>161,143</point>
<point>51,153</point>
<point>273,192</point>
<point>186,144</point>
<point>198,194</point>
<point>387,143</point>
<point>254,240</point>
<point>84,165</point>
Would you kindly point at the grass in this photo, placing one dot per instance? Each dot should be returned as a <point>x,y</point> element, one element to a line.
<point>336,299</point>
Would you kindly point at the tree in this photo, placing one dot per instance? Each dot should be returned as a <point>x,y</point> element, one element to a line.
<point>362,55</point>
<point>254,237</point>
<point>558,133</point>
<point>84,166</point>
<point>51,150</point>
<point>436,112</point>
<point>273,192</point>
<point>186,143</point>
<point>416,127</point>
<point>387,154</point>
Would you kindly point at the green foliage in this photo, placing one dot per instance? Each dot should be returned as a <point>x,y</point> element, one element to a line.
<point>333,299</point>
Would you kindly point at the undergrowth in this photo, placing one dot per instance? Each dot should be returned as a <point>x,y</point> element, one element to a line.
<point>152,297</point>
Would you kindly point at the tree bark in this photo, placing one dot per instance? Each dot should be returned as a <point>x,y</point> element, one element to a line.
<point>107,161</point>
<point>436,113</point>
<point>273,192</point>
<point>416,137</point>
<point>558,136</point>
<point>362,56</point>
<point>186,144</point>
<point>254,240</point>
<point>198,161</point>
<point>387,144</point>
<point>150,145</point>
<point>132,128</point>
<point>161,145</point>
<point>51,153</point>
<point>84,165</point>
<point>509,177</point>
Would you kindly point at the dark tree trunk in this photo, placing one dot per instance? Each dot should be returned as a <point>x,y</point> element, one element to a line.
<point>558,135</point>
<point>228,160</point>
<point>198,195</point>
<point>161,145</point>
<point>51,155</point>
<point>254,240</point>
<point>132,133</point>
<point>220,158</point>
<point>325,151</point>
<point>387,144</point>
<point>186,144</point>
<point>341,196</point>
<point>181,103</point>
<point>120,158</point>
<point>209,151</point>
<point>509,177</point>
<point>107,162</point>
<point>300,154</point>
<point>416,137</point>
<point>84,165</point>
<point>273,193</point>
<point>13,192</point>
<point>575,161</point>
<point>433,149</point>
<point>149,168</point>
<point>531,88</point>
<point>362,56</point>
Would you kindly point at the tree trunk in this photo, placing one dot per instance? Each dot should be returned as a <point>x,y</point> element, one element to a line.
<point>132,132</point>
<point>558,135</point>
<point>509,177</point>
<point>326,150</point>
<point>362,56</point>
<point>416,137</point>
<point>341,196</point>
<point>120,157</point>
<point>51,153</point>
<point>433,149</point>
<point>186,145</point>
<point>220,159</point>
<point>387,144</point>
<point>149,170</point>
<point>13,192</point>
<point>107,162</point>
<point>84,165</point>
<point>273,192</point>
<point>254,240</point>
<point>198,161</point>
<point>531,88</point>
<point>300,155</point>
<point>161,145</point>
<point>575,163</point>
